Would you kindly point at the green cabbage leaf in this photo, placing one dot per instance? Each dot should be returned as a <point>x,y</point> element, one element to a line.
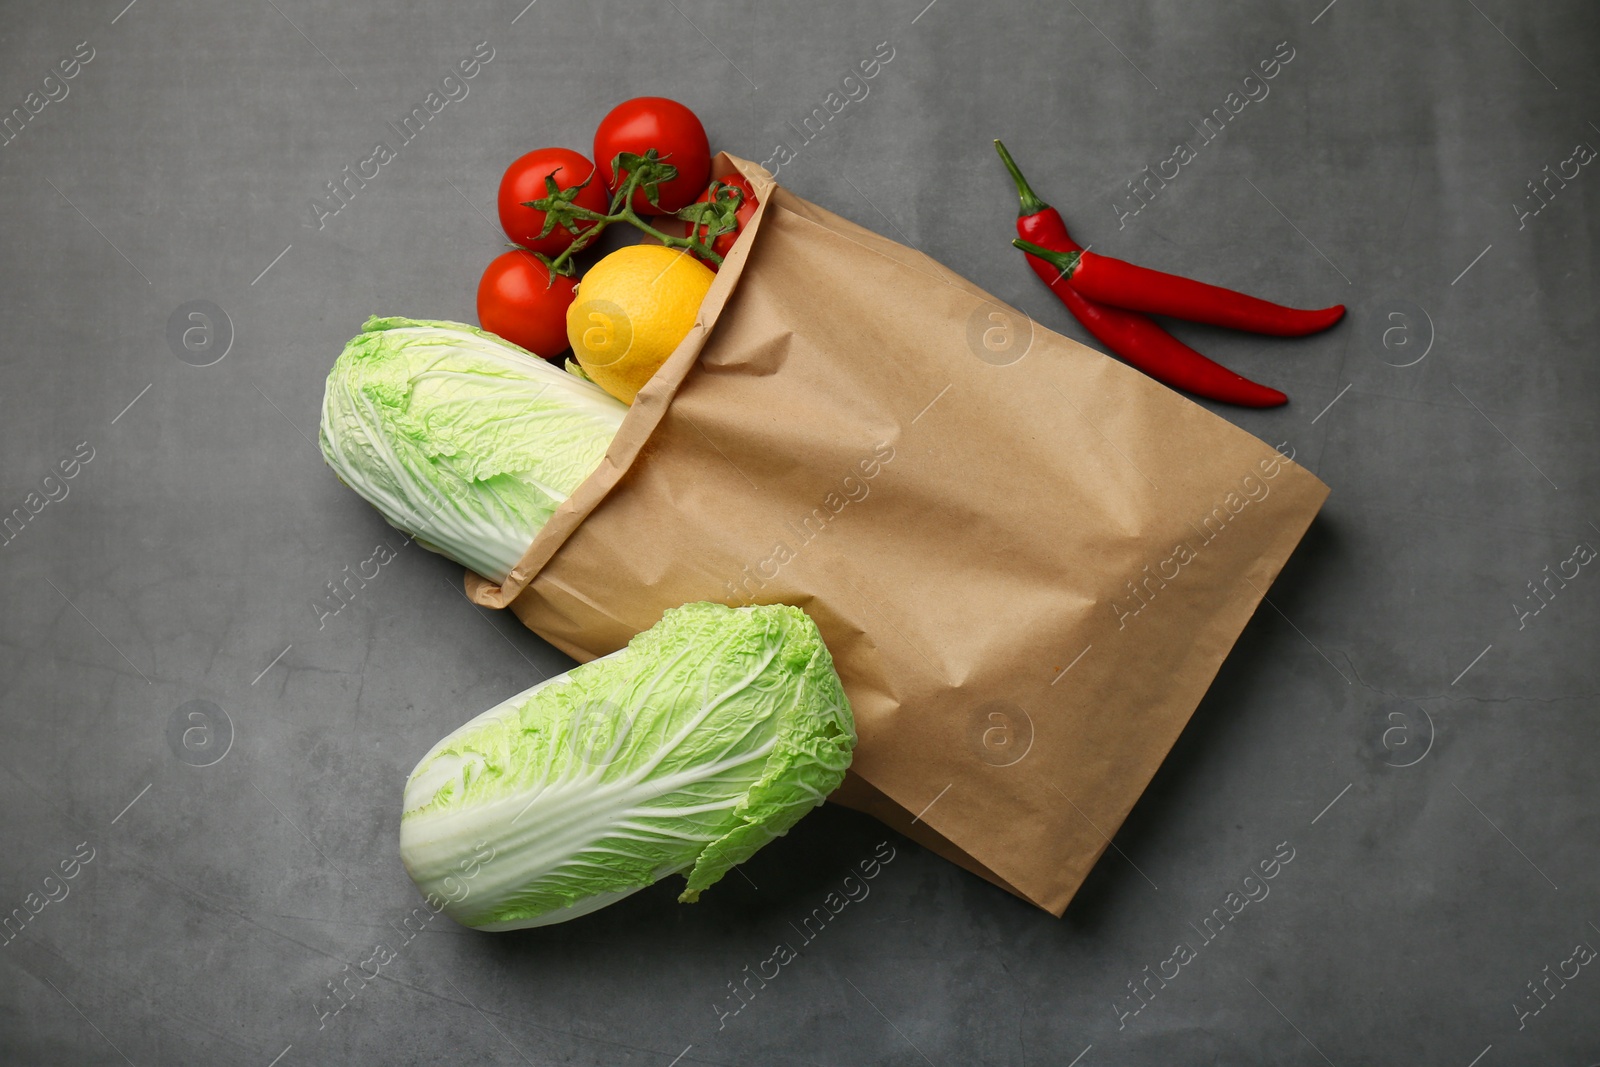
<point>464,441</point>
<point>706,737</point>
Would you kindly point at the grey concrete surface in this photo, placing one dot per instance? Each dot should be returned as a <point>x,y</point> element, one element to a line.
<point>1399,716</point>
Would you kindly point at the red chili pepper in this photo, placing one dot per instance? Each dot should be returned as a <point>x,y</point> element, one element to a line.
<point>1136,338</point>
<point>1154,292</point>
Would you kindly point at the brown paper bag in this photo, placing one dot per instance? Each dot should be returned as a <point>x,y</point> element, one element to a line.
<point>1028,559</point>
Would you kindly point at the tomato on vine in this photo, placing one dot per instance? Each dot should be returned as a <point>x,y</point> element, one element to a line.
<point>524,181</point>
<point>520,300</point>
<point>724,191</point>
<point>653,122</point>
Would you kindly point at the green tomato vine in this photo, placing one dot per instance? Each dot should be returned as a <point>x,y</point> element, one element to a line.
<point>708,220</point>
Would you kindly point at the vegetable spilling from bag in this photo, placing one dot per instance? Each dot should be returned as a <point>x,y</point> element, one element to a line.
<point>716,728</point>
<point>652,158</point>
<point>465,442</point>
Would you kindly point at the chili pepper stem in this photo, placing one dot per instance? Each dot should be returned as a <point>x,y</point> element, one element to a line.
<point>1065,262</point>
<point>1031,204</point>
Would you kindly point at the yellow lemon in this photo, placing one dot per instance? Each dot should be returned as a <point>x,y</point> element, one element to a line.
<point>632,309</point>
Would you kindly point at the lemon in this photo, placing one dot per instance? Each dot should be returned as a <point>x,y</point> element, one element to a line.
<point>632,309</point>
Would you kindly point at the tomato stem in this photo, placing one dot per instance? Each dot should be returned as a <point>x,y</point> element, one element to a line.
<point>645,172</point>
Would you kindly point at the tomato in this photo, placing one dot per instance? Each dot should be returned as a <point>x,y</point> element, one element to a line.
<point>747,207</point>
<point>518,301</point>
<point>675,133</point>
<point>524,181</point>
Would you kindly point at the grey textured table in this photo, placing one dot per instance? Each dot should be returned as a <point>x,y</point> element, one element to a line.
<point>1409,715</point>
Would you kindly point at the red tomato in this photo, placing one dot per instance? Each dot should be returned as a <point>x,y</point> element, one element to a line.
<point>524,181</point>
<point>747,207</point>
<point>673,131</point>
<point>518,301</point>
